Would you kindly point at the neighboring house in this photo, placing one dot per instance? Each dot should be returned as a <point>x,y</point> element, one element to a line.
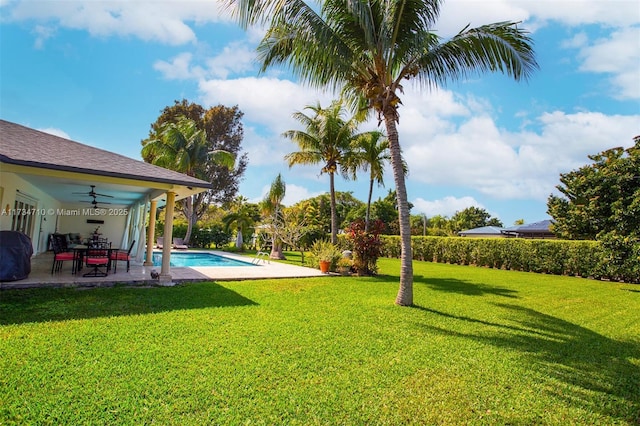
<point>531,230</point>
<point>46,186</point>
<point>482,232</point>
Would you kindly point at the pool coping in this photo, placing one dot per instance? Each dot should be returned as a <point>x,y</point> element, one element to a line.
<point>140,275</point>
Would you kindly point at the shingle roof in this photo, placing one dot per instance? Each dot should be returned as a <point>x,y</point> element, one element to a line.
<point>28,147</point>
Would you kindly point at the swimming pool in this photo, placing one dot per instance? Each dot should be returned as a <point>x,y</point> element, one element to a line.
<point>198,259</point>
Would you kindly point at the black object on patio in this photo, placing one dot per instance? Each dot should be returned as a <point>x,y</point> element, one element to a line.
<point>15,256</point>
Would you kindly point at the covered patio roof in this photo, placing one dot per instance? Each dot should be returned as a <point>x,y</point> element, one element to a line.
<point>65,169</point>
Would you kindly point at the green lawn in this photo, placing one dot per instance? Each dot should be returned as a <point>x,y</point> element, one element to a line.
<point>480,347</point>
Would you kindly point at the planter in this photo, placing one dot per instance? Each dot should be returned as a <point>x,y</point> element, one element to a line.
<point>344,270</point>
<point>324,266</point>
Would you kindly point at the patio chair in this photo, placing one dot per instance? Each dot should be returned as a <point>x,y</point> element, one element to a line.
<point>159,242</point>
<point>123,255</point>
<point>98,257</point>
<point>60,253</point>
<point>178,244</point>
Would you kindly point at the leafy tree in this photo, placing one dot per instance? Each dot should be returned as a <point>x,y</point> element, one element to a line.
<point>223,131</point>
<point>369,152</point>
<point>326,139</point>
<point>368,48</point>
<point>602,201</point>
<point>183,147</point>
<point>601,197</point>
<point>472,217</point>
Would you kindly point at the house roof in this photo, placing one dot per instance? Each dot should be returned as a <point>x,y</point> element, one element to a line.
<point>535,228</point>
<point>24,146</point>
<point>484,230</point>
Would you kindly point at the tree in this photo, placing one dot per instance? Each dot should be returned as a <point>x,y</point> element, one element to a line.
<point>472,217</point>
<point>223,132</point>
<point>602,201</point>
<point>369,152</point>
<point>272,207</point>
<point>182,147</point>
<point>242,217</point>
<point>368,48</point>
<point>326,139</point>
<point>599,198</point>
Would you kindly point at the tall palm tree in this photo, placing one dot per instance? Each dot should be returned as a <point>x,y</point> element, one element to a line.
<point>272,207</point>
<point>367,48</point>
<point>369,152</point>
<point>326,139</point>
<point>182,147</point>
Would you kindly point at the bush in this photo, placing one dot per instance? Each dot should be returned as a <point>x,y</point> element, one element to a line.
<point>366,246</point>
<point>615,258</point>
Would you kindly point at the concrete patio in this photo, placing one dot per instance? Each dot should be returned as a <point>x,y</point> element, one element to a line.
<point>41,276</point>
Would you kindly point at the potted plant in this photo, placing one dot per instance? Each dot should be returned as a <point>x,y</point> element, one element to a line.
<point>325,253</point>
<point>344,265</point>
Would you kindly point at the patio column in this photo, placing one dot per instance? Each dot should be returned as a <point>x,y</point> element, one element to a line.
<point>165,271</point>
<point>152,233</point>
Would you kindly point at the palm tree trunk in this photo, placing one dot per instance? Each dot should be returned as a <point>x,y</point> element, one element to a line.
<point>405,291</point>
<point>368,215</point>
<point>334,214</point>
<point>189,213</point>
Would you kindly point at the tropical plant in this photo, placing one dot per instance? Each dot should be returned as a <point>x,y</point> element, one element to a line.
<point>368,48</point>
<point>366,246</point>
<point>326,139</point>
<point>369,152</point>
<point>241,217</point>
<point>271,207</point>
<point>183,147</point>
<point>324,251</point>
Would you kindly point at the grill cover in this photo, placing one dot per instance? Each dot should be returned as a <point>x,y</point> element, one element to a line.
<point>15,256</point>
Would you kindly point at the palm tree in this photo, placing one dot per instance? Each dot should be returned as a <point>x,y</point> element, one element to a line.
<point>326,139</point>
<point>182,147</point>
<point>241,218</point>
<point>272,206</point>
<point>369,153</point>
<point>367,48</point>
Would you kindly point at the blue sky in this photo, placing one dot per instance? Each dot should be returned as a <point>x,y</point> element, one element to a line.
<point>101,72</point>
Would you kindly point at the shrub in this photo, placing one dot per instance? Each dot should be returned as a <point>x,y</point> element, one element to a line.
<point>366,246</point>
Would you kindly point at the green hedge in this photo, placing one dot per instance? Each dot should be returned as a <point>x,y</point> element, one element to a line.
<point>560,257</point>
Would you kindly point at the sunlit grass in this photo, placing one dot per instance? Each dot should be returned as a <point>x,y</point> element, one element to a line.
<point>480,347</point>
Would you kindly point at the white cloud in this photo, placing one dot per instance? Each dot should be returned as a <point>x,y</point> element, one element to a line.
<point>479,155</point>
<point>179,68</point>
<point>618,55</point>
<point>446,206</point>
<point>236,58</point>
<point>294,194</point>
<point>163,22</point>
<point>267,101</point>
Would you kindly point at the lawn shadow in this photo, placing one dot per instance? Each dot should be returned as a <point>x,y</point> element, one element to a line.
<point>59,304</point>
<point>569,353</point>
<point>468,288</point>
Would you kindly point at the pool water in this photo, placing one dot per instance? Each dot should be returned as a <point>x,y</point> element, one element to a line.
<point>198,259</point>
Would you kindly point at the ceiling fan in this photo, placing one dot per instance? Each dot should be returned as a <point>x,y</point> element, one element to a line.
<point>93,193</point>
<point>94,203</point>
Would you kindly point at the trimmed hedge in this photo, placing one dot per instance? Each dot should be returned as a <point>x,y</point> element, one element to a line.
<point>559,257</point>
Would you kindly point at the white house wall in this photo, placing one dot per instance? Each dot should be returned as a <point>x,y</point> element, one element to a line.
<point>50,213</point>
<point>44,223</point>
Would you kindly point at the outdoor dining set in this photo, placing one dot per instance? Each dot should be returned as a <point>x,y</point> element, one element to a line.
<point>96,254</point>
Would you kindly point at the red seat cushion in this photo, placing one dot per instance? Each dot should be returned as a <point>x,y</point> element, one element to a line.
<point>97,261</point>
<point>120,256</point>
<point>64,256</point>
